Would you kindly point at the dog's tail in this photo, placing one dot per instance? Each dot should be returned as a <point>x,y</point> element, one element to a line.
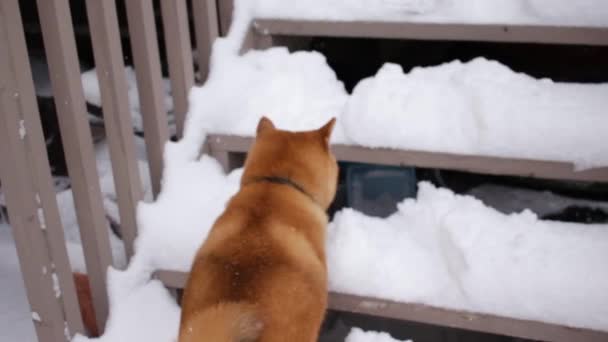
<point>226,322</point>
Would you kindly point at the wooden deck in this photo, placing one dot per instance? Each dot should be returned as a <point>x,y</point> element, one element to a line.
<point>437,316</point>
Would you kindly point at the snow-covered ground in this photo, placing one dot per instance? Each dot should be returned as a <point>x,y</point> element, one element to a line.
<point>15,315</point>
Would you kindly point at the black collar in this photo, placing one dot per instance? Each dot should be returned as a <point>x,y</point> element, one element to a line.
<point>284,181</point>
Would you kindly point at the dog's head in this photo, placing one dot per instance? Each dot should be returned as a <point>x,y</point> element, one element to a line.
<point>302,157</point>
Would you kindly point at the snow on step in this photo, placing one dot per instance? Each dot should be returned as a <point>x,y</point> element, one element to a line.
<point>298,91</point>
<point>358,335</point>
<point>480,108</point>
<point>143,311</point>
<point>452,251</point>
<point>476,108</point>
<point>442,249</point>
<point>530,12</point>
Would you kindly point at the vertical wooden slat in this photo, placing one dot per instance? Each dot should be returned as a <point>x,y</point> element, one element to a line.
<point>206,27</point>
<point>179,56</point>
<point>225,8</point>
<point>26,178</point>
<point>144,45</point>
<point>103,24</point>
<point>58,35</point>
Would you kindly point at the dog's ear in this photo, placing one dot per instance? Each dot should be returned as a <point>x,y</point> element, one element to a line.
<point>265,125</point>
<point>326,130</point>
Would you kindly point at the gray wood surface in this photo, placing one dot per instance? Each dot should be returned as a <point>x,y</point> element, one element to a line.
<point>60,46</point>
<point>116,113</point>
<point>179,56</point>
<point>144,44</point>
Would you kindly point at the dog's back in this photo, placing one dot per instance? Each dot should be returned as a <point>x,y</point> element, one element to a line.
<point>261,274</point>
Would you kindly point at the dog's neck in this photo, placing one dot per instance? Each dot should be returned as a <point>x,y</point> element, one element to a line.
<point>284,181</point>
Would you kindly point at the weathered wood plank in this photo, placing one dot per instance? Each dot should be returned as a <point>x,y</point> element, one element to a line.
<point>60,46</point>
<point>435,31</point>
<point>206,26</point>
<point>179,56</point>
<point>30,195</point>
<point>144,44</point>
<point>116,113</point>
<point>477,164</point>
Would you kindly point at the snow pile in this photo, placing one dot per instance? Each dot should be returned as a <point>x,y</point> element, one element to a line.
<point>358,335</point>
<point>92,94</point>
<point>452,251</point>
<point>194,194</point>
<point>531,12</point>
<point>297,90</point>
<point>484,109</point>
<point>138,311</point>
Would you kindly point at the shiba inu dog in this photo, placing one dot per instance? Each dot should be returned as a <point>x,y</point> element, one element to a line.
<point>261,274</point>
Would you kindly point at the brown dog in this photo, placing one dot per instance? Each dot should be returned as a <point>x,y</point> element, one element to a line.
<point>261,273</point>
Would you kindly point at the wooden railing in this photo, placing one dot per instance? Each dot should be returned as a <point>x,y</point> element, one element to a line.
<point>27,180</point>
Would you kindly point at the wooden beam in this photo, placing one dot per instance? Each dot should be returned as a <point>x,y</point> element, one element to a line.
<point>478,164</point>
<point>542,34</point>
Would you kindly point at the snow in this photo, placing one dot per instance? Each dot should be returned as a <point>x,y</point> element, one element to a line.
<point>56,287</point>
<point>92,94</point>
<point>485,109</point>
<point>15,315</point>
<point>532,12</point>
<point>40,214</point>
<point>67,211</point>
<point>182,209</point>
<point>297,90</point>
<point>358,335</point>
<point>22,131</point>
<point>452,251</point>
<point>138,312</point>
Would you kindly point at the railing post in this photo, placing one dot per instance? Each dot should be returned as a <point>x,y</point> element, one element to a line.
<point>60,46</point>
<point>179,56</point>
<point>103,23</point>
<point>144,44</point>
<point>206,26</point>
<point>225,8</point>
<point>26,179</point>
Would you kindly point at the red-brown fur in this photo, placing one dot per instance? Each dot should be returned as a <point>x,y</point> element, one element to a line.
<point>261,273</point>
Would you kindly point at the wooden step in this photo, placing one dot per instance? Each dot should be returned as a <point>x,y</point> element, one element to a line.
<point>222,146</point>
<point>542,34</point>
<point>438,316</point>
